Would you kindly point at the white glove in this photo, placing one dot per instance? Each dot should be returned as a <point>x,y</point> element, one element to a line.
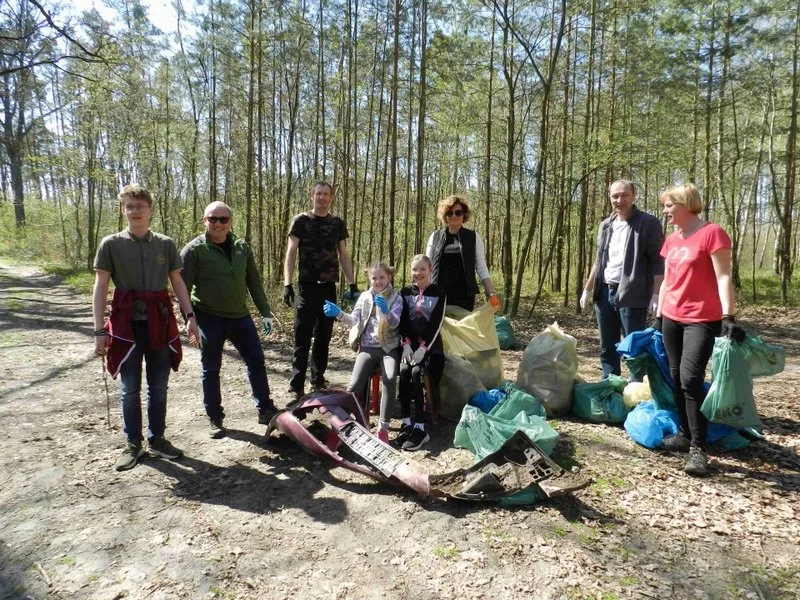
<point>267,324</point>
<point>584,299</point>
<point>653,307</point>
<point>418,356</point>
<point>406,357</point>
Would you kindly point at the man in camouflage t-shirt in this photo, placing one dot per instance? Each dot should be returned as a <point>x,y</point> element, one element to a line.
<point>317,245</point>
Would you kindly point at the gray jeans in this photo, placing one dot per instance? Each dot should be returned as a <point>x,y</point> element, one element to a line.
<point>366,362</point>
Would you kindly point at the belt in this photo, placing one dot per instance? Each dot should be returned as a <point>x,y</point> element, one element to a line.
<point>318,282</point>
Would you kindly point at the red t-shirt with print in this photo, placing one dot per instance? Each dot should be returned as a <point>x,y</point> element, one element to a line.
<point>692,295</point>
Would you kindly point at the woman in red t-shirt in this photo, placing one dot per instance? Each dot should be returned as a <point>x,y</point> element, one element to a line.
<point>695,304</point>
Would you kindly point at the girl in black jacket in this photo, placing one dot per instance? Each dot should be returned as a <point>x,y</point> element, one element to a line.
<point>420,326</point>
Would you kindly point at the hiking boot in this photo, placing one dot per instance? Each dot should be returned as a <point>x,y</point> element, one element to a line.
<point>130,456</point>
<point>697,463</point>
<point>402,437</point>
<point>676,443</point>
<point>320,385</point>
<point>265,416</point>
<point>294,394</point>
<point>215,428</point>
<point>161,447</point>
<point>416,439</point>
<point>383,435</point>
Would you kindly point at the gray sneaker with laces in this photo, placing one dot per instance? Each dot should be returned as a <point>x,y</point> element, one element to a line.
<point>160,446</point>
<point>697,463</point>
<point>216,429</point>
<point>130,456</point>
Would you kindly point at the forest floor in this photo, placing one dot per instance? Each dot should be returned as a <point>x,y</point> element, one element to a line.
<point>246,517</point>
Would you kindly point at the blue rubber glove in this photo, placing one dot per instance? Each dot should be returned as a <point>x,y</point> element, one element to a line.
<point>381,303</point>
<point>267,322</point>
<point>331,310</point>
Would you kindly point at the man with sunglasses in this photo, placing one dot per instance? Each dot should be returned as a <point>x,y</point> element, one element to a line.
<point>219,270</point>
<point>317,245</point>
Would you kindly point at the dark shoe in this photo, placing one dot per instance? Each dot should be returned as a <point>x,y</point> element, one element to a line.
<point>416,439</point>
<point>160,446</point>
<point>130,456</point>
<point>697,463</point>
<point>294,394</point>
<point>320,385</point>
<point>402,437</point>
<point>215,429</point>
<point>265,416</point>
<point>676,443</point>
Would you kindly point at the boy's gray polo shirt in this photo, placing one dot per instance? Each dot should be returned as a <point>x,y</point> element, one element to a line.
<point>141,264</point>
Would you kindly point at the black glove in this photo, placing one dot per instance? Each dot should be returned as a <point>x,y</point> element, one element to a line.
<point>657,323</point>
<point>731,329</point>
<point>350,296</point>
<point>288,295</point>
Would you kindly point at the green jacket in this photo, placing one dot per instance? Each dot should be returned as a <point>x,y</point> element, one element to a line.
<point>218,285</point>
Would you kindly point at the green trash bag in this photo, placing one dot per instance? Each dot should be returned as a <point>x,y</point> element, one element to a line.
<point>600,402</point>
<point>730,397</point>
<point>659,388</point>
<point>505,335</point>
<point>517,401</point>
<point>483,434</point>
<point>762,358</point>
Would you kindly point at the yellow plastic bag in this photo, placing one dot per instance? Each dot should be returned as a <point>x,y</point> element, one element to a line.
<point>474,338</point>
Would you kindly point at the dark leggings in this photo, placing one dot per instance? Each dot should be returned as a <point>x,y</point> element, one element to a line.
<point>412,384</point>
<point>689,347</point>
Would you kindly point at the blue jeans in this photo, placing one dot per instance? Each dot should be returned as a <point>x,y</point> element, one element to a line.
<point>158,364</point>
<point>243,335</point>
<point>613,322</point>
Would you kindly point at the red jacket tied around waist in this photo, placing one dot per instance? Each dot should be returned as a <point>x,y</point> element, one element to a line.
<point>161,325</point>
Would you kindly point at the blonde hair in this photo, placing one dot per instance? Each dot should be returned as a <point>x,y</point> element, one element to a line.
<point>134,191</point>
<point>423,257</point>
<point>382,324</point>
<point>448,203</point>
<point>686,194</point>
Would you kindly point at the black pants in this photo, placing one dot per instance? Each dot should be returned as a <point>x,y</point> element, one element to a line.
<point>689,347</point>
<point>412,383</point>
<point>310,321</point>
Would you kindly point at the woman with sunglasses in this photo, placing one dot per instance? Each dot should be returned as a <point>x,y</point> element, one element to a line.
<point>457,253</point>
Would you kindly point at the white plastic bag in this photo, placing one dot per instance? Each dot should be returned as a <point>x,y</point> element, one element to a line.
<point>548,367</point>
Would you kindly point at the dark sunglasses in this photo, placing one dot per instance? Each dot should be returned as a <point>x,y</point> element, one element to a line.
<point>454,213</point>
<point>223,220</point>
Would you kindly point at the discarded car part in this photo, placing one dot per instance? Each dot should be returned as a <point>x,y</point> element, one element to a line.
<point>518,465</point>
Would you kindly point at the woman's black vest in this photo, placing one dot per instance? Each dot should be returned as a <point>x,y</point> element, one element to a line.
<point>466,237</point>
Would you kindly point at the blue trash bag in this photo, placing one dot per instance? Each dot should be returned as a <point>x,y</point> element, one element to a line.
<point>484,400</point>
<point>648,425</point>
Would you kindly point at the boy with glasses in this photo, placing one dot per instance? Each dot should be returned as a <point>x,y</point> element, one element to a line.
<point>141,326</point>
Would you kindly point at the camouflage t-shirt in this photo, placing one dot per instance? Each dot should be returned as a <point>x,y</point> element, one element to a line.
<point>318,257</point>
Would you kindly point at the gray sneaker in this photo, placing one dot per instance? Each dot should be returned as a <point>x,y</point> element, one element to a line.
<point>159,446</point>
<point>130,456</point>
<point>216,429</point>
<point>697,463</point>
